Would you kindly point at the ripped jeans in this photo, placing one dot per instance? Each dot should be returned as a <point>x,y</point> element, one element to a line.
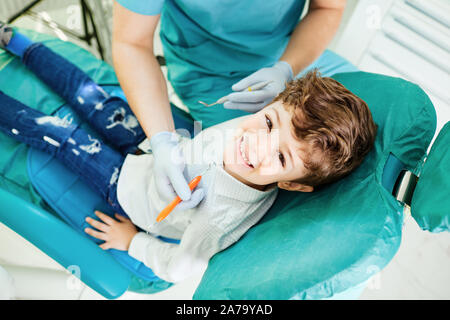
<point>97,163</point>
<point>111,117</point>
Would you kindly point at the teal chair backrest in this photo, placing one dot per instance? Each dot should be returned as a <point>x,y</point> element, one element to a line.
<point>430,203</point>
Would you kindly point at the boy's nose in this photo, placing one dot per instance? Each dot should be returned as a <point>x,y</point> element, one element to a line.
<point>262,148</point>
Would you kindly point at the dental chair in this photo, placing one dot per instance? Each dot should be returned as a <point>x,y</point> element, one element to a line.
<point>308,246</point>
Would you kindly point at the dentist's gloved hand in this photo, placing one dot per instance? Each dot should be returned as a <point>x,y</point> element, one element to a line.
<point>253,101</point>
<point>168,166</point>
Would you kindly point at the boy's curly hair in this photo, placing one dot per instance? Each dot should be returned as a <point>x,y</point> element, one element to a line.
<point>335,122</point>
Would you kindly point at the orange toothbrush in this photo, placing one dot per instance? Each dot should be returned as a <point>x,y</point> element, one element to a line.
<point>165,212</point>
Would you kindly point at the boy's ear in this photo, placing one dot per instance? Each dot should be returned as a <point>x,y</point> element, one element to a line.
<point>295,186</point>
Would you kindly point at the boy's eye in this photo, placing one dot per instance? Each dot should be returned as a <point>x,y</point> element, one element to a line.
<point>281,157</point>
<point>269,123</point>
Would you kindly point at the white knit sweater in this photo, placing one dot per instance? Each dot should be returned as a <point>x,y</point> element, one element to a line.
<point>227,211</point>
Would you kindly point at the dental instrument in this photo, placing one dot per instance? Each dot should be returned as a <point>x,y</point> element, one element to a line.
<point>167,210</point>
<point>224,99</point>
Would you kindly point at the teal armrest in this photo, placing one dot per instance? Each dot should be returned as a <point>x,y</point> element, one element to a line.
<point>65,245</point>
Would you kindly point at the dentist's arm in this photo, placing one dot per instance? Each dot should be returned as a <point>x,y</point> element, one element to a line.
<point>138,71</point>
<point>313,33</point>
<point>143,83</point>
<point>309,39</point>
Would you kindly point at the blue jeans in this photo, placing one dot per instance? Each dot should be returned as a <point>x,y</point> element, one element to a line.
<point>94,161</point>
<point>111,117</point>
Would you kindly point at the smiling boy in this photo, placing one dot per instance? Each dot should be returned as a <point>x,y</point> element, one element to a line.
<point>313,133</point>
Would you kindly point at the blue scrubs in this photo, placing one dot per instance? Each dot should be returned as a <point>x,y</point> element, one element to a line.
<point>210,45</point>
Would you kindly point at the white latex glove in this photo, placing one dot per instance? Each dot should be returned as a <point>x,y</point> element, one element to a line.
<point>253,101</point>
<point>168,169</point>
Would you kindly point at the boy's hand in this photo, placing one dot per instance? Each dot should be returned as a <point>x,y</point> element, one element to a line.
<point>116,234</point>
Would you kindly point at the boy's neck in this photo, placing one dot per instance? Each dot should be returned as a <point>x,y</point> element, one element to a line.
<point>248,183</point>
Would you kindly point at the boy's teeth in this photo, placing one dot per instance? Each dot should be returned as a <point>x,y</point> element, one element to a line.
<point>243,153</point>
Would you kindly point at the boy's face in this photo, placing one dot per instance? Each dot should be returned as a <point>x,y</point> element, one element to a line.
<point>264,151</point>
